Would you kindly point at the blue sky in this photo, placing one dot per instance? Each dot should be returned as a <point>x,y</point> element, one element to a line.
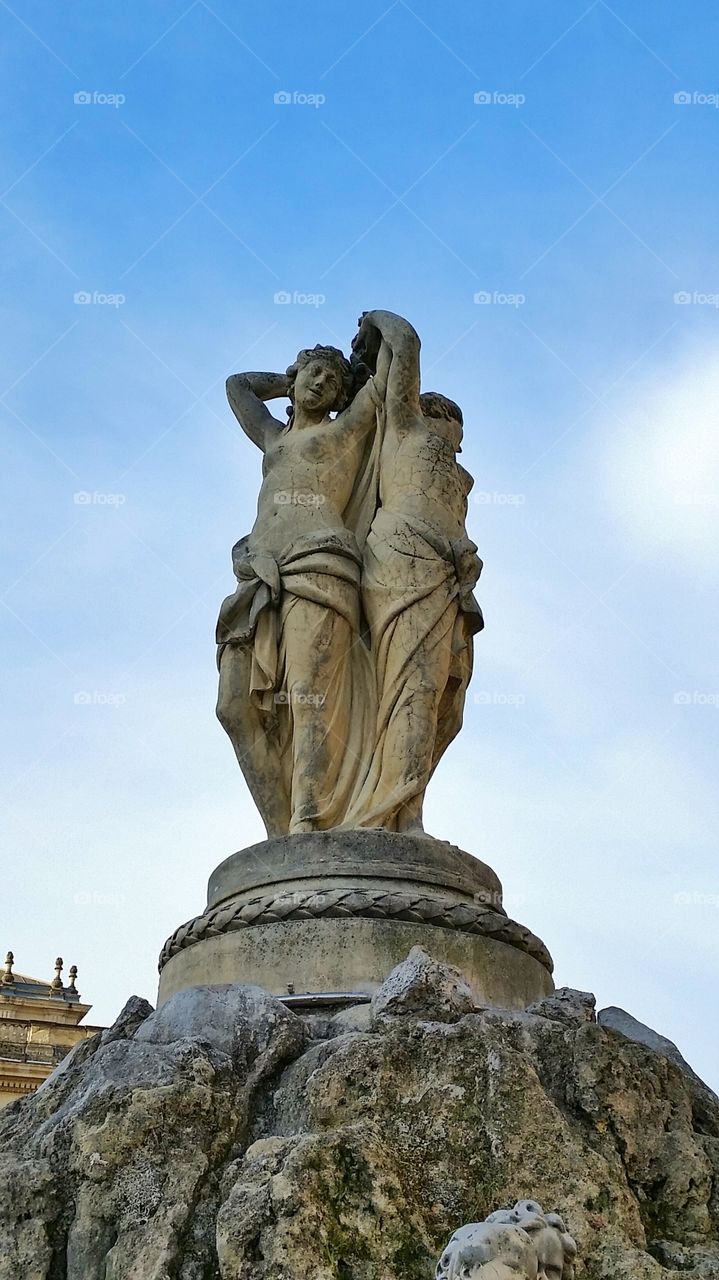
<point>181,198</point>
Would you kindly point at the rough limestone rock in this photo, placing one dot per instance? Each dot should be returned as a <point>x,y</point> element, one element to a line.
<point>566,1005</point>
<point>421,987</point>
<point>214,1141</point>
<point>620,1020</point>
<point>243,1022</point>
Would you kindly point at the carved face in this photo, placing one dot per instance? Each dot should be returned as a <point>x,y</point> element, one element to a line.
<point>318,388</point>
<point>488,1251</point>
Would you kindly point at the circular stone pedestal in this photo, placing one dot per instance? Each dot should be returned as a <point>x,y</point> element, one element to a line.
<point>335,911</point>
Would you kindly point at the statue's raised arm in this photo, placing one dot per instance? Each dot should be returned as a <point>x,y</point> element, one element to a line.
<point>388,343</point>
<point>247,393</point>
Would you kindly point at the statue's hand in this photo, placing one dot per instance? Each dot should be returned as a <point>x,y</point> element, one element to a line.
<point>366,342</point>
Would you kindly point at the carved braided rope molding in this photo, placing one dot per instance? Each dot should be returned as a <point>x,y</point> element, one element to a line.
<point>341,904</point>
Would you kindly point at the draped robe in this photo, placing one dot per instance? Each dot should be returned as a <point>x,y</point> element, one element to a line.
<point>417,594</point>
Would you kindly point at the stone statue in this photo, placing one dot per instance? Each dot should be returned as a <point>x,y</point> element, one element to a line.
<point>492,1252</point>
<point>344,655</point>
<point>296,686</point>
<point>523,1241</point>
<point>418,573</point>
<point>556,1250</point>
<point>346,649</point>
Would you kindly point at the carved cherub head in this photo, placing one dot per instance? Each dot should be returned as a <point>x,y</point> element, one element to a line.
<point>556,1250</point>
<point>488,1251</point>
<point>445,417</point>
<point>320,381</point>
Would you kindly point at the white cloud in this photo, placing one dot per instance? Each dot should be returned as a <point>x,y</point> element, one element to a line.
<point>661,463</point>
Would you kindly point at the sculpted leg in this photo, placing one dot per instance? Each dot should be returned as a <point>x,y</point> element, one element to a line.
<point>413,670</point>
<point>450,713</point>
<point>255,748</point>
<point>408,748</point>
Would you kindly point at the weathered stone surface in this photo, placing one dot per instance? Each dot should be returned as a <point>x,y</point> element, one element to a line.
<point>619,1020</point>
<point>335,911</point>
<point>483,1251</point>
<point>128,1020</point>
<point>319,859</point>
<point>243,1022</point>
<point>324,540</point>
<point>358,1018</point>
<point>566,1005</point>
<point>421,987</point>
<point>521,1243</point>
<point>114,1163</point>
<point>355,1158</point>
<point>350,954</point>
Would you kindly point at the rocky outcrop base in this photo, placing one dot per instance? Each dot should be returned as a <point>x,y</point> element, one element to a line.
<point>220,1139</point>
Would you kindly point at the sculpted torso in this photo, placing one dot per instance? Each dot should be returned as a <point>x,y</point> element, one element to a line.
<point>308,475</point>
<point>309,466</point>
<point>419,476</point>
<point>419,473</point>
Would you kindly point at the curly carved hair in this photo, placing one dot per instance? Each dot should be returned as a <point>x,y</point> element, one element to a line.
<point>446,415</point>
<point>434,405</point>
<point>529,1215</point>
<point>333,357</point>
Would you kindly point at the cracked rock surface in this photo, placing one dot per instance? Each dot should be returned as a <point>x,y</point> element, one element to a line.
<point>217,1139</point>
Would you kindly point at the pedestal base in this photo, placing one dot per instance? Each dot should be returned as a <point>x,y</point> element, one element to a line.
<point>335,912</point>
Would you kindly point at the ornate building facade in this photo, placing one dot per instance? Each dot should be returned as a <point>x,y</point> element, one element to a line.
<point>39,1025</point>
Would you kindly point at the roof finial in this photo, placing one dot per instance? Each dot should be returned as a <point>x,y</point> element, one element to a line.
<point>71,988</point>
<point>56,984</point>
<point>7,977</point>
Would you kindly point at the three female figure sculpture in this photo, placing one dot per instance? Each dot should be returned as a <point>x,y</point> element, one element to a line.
<point>346,649</point>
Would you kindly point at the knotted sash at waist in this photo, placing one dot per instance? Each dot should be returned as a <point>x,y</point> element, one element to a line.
<point>309,568</point>
<point>459,554</point>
